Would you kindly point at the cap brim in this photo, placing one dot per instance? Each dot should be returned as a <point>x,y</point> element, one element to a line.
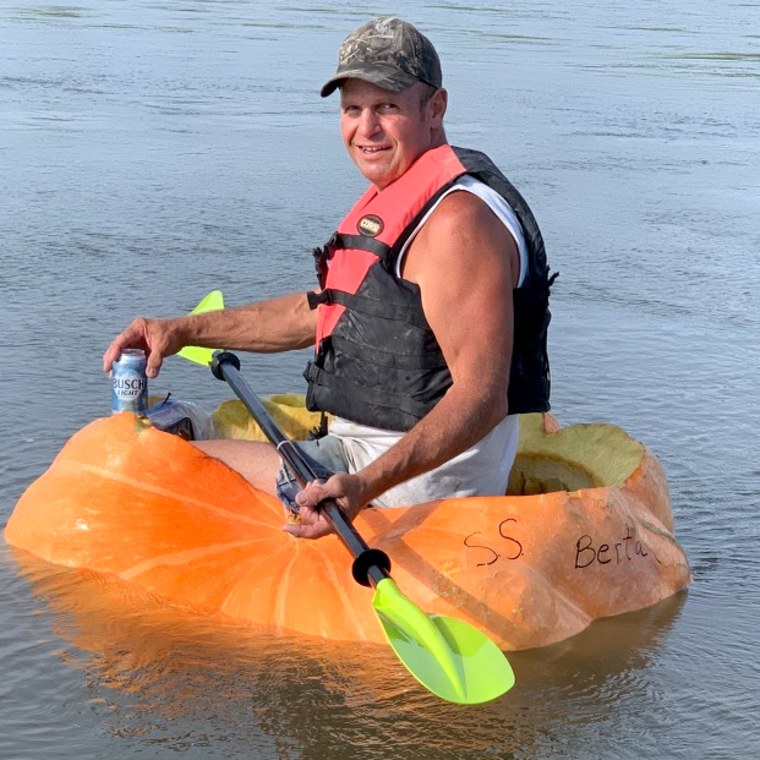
<point>392,80</point>
<point>332,84</point>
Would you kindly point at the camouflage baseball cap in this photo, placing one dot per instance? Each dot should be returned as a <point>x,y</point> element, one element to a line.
<point>388,52</point>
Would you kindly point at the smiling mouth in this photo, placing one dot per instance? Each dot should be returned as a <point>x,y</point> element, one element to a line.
<point>369,150</point>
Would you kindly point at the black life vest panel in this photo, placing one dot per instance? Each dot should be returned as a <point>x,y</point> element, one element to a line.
<point>377,361</point>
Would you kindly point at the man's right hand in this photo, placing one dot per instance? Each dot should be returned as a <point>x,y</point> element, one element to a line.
<point>157,337</point>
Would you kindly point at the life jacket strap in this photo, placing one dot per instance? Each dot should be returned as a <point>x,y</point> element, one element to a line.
<point>377,398</point>
<point>362,243</point>
<point>372,307</point>
<point>317,299</point>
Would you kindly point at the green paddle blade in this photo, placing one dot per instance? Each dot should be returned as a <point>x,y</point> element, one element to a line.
<point>214,301</point>
<point>449,657</point>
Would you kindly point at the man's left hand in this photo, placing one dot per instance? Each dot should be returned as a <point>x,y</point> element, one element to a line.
<point>345,490</point>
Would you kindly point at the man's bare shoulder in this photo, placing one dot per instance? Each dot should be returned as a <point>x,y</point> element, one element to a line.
<point>461,227</point>
<point>460,210</point>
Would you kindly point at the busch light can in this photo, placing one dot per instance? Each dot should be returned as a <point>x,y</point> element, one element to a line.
<point>129,383</point>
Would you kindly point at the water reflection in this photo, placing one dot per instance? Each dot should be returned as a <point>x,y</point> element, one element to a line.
<point>159,672</point>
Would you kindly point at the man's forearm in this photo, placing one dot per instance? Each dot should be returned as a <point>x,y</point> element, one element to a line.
<point>455,424</point>
<point>279,324</point>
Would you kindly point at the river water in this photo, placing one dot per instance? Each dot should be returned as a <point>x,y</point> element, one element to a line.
<point>151,150</point>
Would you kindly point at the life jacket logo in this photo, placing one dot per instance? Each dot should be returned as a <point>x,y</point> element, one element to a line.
<point>370,225</point>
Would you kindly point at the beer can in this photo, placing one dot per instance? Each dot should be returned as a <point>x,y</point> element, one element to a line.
<point>129,383</point>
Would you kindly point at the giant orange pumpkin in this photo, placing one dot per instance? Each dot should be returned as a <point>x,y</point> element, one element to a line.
<point>586,533</point>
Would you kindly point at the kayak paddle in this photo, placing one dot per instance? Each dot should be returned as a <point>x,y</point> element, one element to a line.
<point>451,658</point>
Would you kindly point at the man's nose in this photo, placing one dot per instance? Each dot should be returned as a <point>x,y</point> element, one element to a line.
<point>369,124</point>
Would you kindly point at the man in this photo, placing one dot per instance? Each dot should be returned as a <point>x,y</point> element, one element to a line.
<point>431,316</point>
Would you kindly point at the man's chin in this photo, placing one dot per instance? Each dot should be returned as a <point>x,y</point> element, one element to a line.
<point>378,173</point>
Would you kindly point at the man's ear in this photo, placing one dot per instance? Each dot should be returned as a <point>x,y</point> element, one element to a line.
<point>438,104</point>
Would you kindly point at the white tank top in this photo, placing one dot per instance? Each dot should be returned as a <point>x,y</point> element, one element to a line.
<point>496,203</point>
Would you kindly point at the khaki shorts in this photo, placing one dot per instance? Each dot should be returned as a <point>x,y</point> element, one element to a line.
<point>326,456</point>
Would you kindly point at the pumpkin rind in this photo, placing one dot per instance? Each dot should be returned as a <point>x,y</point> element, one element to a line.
<point>125,499</point>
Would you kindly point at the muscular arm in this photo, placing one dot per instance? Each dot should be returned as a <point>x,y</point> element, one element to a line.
<point>466,264</point>
<point>278,324</point>
<point>466,282</point>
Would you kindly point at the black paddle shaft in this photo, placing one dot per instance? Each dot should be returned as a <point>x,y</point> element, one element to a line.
<point>370,565</point>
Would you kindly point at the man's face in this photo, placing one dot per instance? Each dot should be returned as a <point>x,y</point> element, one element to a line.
<point>385,132</point>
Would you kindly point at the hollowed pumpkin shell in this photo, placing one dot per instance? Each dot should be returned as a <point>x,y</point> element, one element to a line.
<point>585,533</point>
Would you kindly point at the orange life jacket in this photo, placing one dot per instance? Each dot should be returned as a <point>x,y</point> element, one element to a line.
<point>377,361</point>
